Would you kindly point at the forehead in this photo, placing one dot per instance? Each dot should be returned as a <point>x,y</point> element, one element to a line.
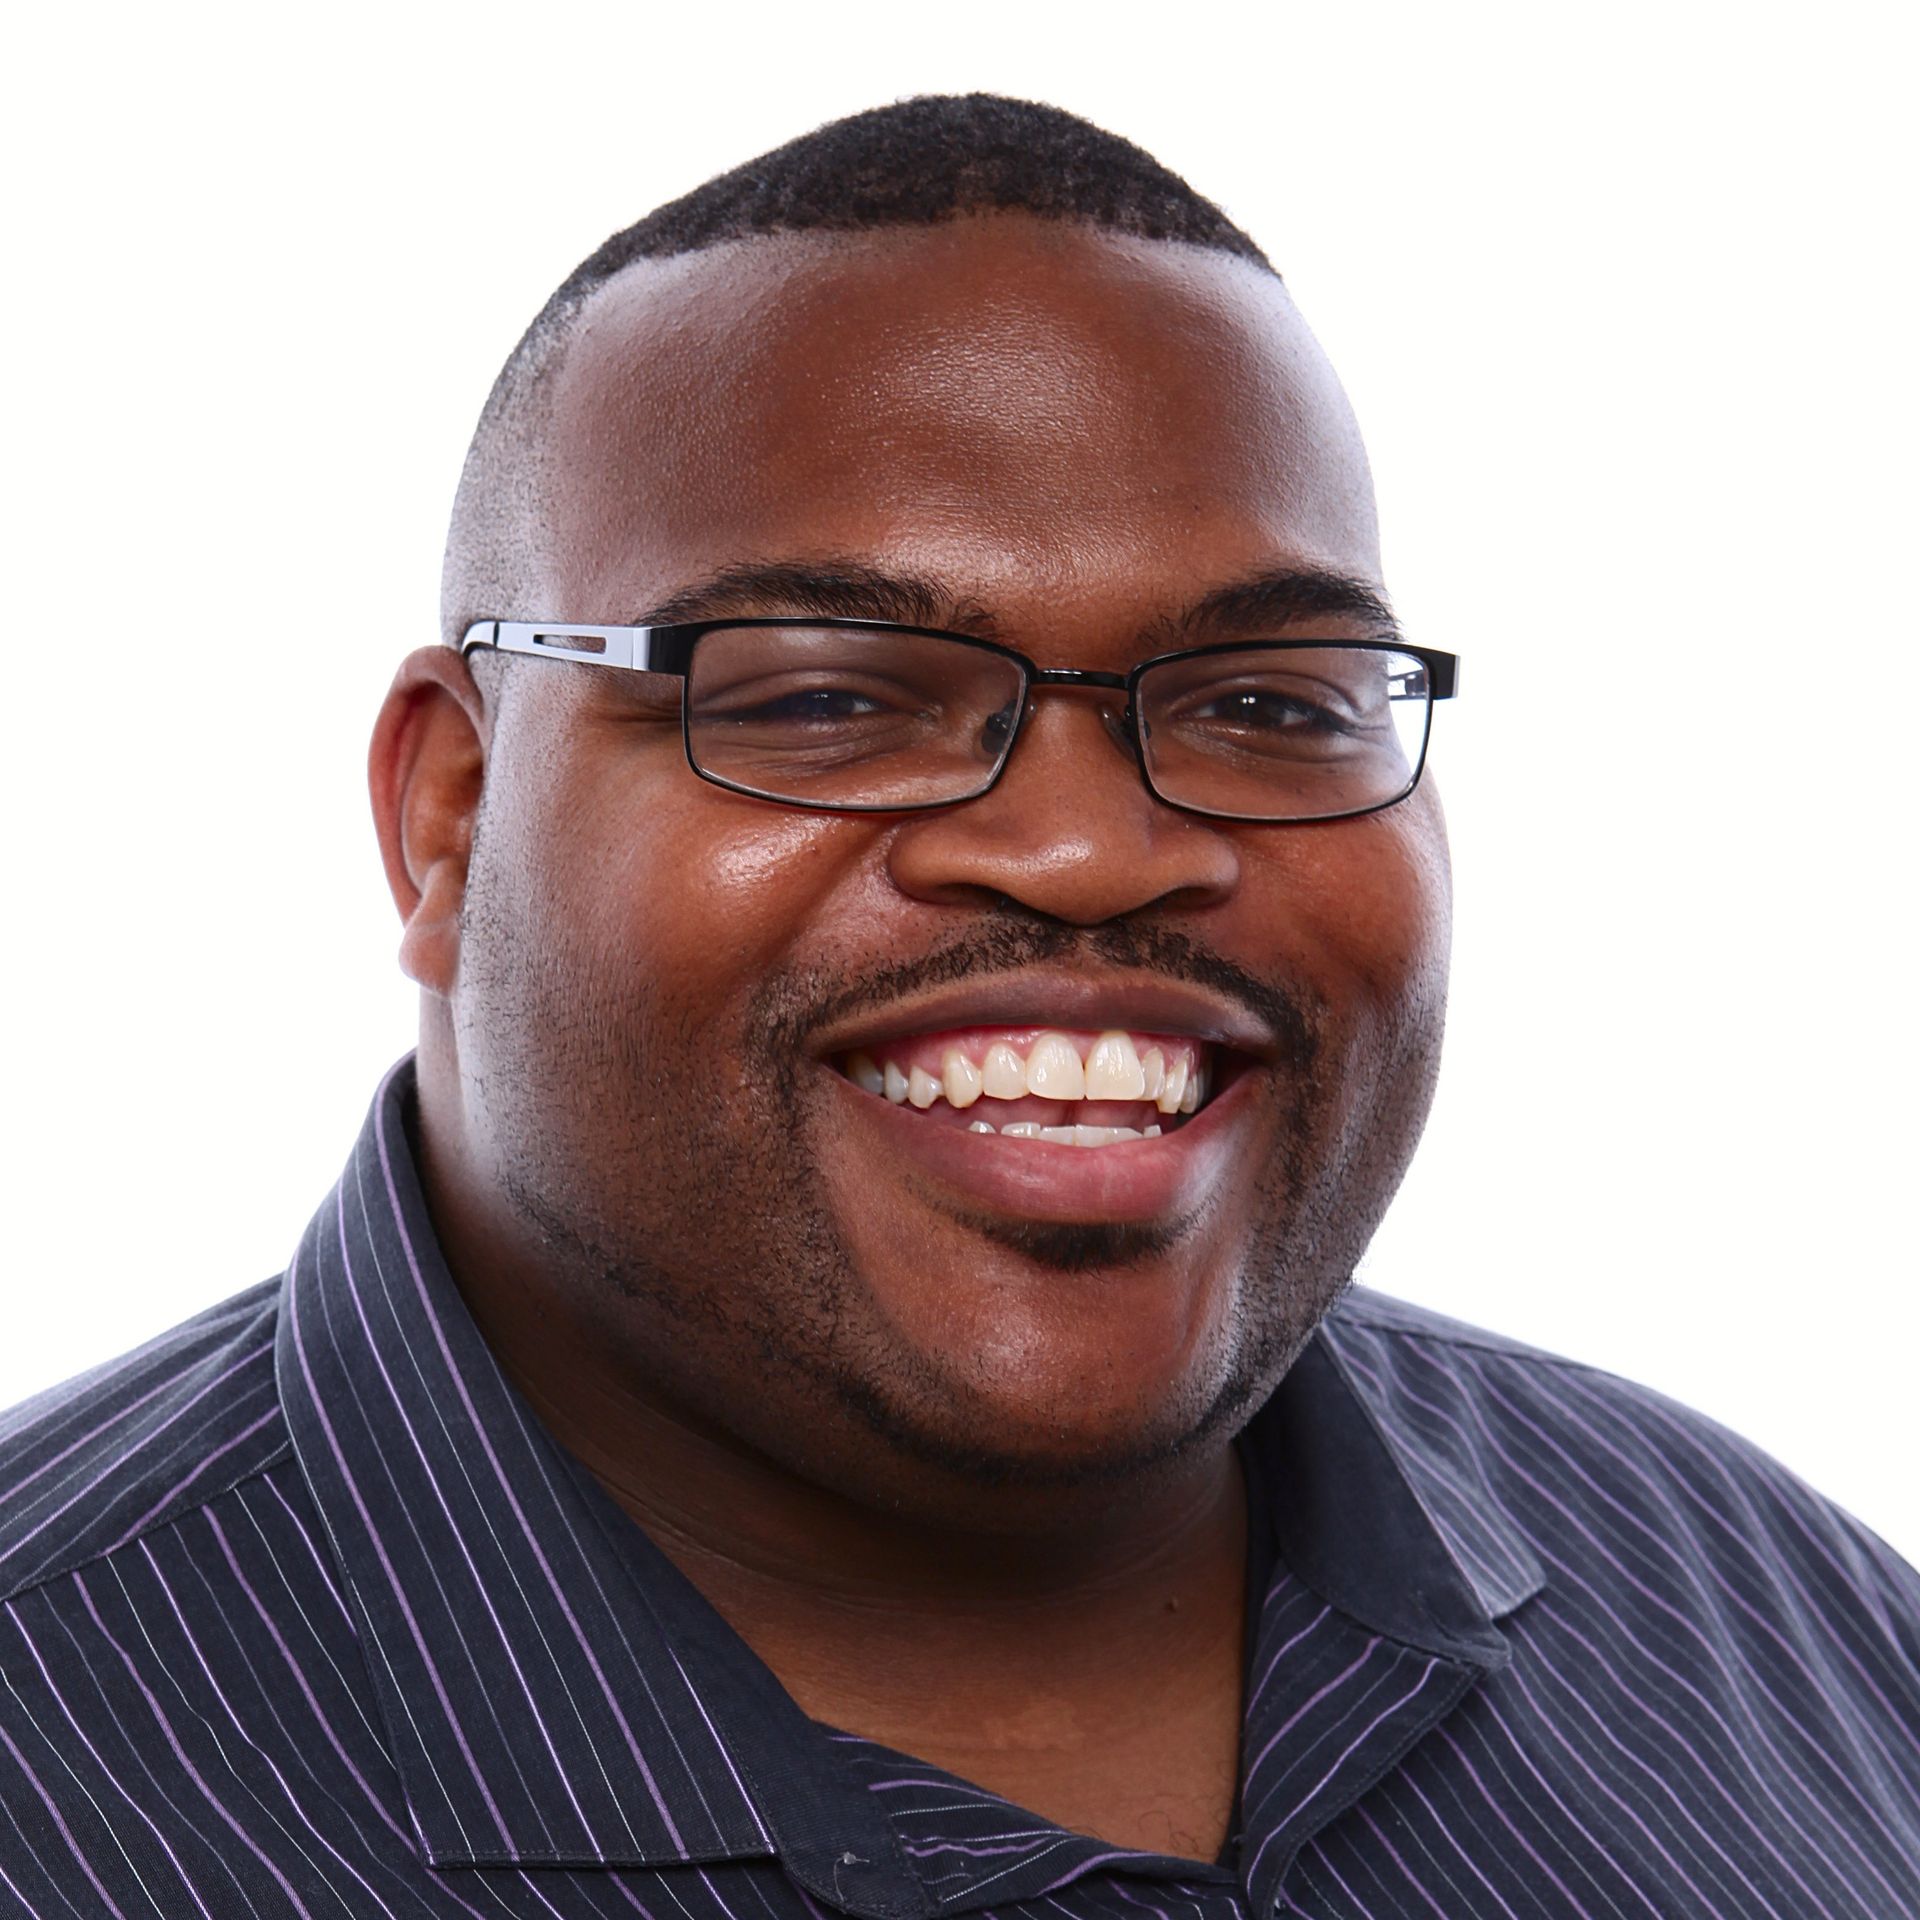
<point>1013,406</point>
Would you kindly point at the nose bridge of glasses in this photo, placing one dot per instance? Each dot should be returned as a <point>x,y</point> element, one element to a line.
<point>1117,716</point>
<point>1076,677</point>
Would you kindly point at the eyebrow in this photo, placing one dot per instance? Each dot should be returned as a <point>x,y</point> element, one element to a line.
<point>1283,595</point>
<point>852,590</point>
<point>835,589</point>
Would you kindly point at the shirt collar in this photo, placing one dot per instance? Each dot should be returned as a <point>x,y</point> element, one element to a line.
<point>1371,1515</point>
<point>1380,1617</point>
<point>555,1692</point>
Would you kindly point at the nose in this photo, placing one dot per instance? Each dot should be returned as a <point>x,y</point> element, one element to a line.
<point>1070,830</point>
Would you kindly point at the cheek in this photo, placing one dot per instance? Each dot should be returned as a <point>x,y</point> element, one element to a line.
<point>706,893</point>
<point>619,877</point>
<point>1360,912</point>
<point>1379,892</point>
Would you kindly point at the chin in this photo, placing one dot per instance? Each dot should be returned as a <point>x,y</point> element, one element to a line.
<point>1056,1356</point>
<point>1026,1428</point>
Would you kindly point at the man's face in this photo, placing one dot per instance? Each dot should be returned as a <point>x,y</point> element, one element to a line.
<point>1070,442</point>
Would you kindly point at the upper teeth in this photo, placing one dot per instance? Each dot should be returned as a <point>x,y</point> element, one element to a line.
<point>1114,1069</point>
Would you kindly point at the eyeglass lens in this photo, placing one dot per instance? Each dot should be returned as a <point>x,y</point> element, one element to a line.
<point>1285,733</point>
<point>839,717</point>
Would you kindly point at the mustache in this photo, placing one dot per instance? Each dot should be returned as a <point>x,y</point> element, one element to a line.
<point>790,1008</point>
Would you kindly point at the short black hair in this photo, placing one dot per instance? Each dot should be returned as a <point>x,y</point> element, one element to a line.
<point>916,163</point>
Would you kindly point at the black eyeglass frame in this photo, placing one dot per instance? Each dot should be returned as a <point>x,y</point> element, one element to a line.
<point>669,649</point>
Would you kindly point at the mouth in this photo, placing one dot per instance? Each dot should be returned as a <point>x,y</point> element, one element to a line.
<point>1077,1087</point>
<point>1049,1097</point>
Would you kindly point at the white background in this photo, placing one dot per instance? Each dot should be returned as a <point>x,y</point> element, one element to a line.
<point>1623,298</point>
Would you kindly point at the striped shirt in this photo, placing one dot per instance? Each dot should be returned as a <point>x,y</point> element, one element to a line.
<point>305,1614</point>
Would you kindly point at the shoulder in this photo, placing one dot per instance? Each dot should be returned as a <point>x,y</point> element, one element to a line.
<point>1613,1485</point>
<point>1361,1312</point>
<point>127,1447</point>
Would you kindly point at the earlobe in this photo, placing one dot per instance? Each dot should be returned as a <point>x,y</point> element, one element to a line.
<point>424,770</point>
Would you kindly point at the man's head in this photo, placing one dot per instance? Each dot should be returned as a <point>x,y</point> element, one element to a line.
<point>975,366</point>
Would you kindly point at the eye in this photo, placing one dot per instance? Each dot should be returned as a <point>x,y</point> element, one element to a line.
<point>1268,711</point>
<point>1290,712</point>
<point>811,703</point>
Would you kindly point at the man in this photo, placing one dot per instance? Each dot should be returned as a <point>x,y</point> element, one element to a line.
<point>826,1386</point>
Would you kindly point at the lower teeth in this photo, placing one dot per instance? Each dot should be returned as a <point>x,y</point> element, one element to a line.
<point>1064,1136</point>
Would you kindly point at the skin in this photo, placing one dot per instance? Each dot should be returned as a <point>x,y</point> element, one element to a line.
<point>946,1467</point>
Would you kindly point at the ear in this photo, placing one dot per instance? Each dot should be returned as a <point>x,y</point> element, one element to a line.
<point>425,769</point>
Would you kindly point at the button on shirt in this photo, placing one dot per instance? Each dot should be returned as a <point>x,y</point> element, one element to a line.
<point>305,1614</point>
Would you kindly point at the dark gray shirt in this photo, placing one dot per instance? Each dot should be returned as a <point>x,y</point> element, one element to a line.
<point>306,1614</point>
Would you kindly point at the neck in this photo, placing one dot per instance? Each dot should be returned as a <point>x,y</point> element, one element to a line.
<point>1005,1658</point>
<point>771,1548</point>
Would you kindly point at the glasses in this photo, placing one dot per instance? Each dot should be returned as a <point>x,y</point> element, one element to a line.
<point>862,716</point>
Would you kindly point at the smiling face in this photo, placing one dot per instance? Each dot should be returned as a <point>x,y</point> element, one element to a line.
<point>656,1105</point>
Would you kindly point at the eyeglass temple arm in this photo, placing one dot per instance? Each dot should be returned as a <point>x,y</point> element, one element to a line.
<point>645,649</point>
